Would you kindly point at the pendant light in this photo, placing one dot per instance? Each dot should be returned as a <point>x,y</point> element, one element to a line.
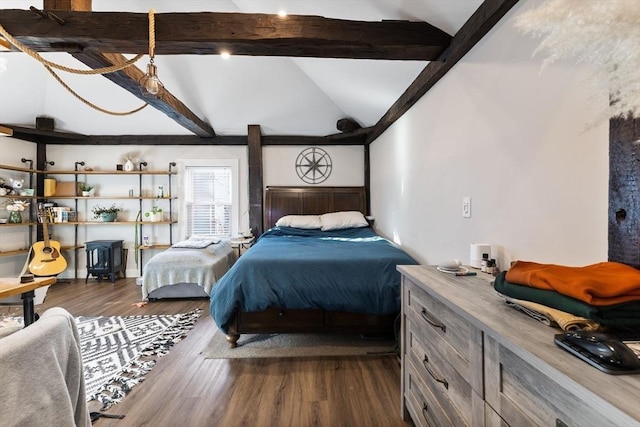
<point>150,84</point>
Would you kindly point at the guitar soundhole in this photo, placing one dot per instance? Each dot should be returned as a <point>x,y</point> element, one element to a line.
<point>47,250</point>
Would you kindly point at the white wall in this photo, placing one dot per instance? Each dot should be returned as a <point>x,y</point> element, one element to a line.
<point>279,169</point>
<point>279,165</point>
<point>513,138</point>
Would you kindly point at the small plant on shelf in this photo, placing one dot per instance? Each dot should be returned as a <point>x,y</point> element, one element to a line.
<point>84,186</point>
<point>85,189</point>
<point>107,214</point>
<point>155,214</point>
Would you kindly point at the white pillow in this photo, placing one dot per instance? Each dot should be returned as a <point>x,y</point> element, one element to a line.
<point>340,220</point>
<point>300,221</point>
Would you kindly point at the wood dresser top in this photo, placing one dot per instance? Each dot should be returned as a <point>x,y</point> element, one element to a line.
<point>474,298</point>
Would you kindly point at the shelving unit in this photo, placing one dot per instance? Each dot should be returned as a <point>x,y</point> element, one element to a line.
<point>143,195</point>
<point>29,222</point>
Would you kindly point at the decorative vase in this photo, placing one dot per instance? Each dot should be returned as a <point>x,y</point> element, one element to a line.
<point>128,166</point>
<point>15,217</point>
<point>86,193</point>
<point>154,217</point>
<point>108,216</point>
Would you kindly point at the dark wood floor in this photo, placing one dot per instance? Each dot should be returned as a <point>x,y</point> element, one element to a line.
<point>185,389</point>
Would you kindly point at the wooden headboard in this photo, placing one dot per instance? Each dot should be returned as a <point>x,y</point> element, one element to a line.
<point>281,201</point>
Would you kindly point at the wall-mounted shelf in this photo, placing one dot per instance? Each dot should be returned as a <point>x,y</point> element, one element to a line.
<point>14,252</point>
<point>169,173</point>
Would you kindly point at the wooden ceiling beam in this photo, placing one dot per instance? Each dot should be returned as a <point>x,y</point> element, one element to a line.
<point>476,27</point>
<point>128,78</point>
<point>209,33</point>
<point>78,5</point>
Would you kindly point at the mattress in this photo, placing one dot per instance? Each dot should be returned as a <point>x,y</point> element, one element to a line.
<point>200,266</point>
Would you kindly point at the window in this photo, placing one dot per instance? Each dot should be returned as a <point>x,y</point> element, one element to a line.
<point>209,198</point>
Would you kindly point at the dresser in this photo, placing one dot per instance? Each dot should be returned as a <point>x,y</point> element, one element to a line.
<point>470,360</point>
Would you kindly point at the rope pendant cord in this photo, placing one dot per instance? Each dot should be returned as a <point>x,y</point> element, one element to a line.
<point>104,70</point>
<point>39,58</point>
<point>90,104</point>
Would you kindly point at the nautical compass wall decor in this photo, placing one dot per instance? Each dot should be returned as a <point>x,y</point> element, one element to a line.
<point>313,165</point>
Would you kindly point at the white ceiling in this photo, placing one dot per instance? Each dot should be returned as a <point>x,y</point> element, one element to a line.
<point>285,96</point>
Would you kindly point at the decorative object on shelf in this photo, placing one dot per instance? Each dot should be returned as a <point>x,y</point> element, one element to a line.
<point>85,188</point>
<point>313,165</point>
<point>155,214</point>
<point>160,192</point>
<point>17,185</point>
<point>15,208</point>
<point>28,192</point>
<point>49,187</point>
<point>14,217</point>
<point>107,214</point>
<point>5,189</point>
<point>130,158</point>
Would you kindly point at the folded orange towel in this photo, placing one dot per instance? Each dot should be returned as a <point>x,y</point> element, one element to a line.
<point>601,284</point>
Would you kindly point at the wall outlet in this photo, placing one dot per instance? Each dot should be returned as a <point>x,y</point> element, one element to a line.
<point>466,207</point>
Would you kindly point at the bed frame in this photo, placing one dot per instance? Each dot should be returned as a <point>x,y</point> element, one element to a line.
<point>280,201</point>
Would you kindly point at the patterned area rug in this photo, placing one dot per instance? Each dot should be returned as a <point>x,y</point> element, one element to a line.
<point>117,352</point>
<point>298,345</point>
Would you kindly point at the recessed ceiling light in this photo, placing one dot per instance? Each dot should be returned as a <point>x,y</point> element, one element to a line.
<point>282,14</point>
<point>225,55</point>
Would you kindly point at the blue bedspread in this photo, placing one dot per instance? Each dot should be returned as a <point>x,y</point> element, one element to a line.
<point>346,270</point>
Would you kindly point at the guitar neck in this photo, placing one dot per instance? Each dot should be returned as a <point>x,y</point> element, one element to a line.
<point>45,229</point>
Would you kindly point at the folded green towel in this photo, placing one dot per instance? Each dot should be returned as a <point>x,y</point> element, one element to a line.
<point>617,315</point>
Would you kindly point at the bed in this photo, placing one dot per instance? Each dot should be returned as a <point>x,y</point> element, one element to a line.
<point>297,279</point>
<point>188,269</point>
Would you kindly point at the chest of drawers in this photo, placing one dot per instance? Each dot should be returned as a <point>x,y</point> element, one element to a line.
<point>469,360</point>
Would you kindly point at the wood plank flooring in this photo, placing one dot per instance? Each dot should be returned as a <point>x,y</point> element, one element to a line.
<point>185,389</point>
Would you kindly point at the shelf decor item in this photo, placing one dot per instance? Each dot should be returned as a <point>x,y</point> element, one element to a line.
<point>107,214</point>
<point>15,209</point>
<point>130,158</point>
<point>155,214</point>
<point>15,217</point>
<point>85,189</point>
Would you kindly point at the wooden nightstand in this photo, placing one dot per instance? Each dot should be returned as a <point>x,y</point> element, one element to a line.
<point>240,243</point>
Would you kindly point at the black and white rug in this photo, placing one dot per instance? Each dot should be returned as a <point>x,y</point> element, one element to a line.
<point>117,352</point>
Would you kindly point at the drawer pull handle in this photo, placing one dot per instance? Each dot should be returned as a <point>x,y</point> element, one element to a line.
<point>444,382</point>
<point>425,409</point>
<point>431,322</point>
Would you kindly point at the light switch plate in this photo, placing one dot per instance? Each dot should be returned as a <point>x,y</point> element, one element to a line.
<point>466,207</point>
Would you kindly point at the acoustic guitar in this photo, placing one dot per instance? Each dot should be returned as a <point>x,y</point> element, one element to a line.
<point>47,260</point>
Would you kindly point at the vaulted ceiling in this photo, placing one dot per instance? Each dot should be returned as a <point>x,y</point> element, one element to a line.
<point>296,75</point>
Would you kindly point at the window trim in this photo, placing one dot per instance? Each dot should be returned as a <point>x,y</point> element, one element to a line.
<point>235,199</point>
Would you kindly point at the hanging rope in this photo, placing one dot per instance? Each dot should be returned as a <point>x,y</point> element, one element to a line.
<point>152,34</point>
<point>90,104</point>
<point>39,58</point>
<point>104,70</point>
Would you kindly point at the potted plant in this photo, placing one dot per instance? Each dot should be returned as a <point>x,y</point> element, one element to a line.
<point>155,214</point>
<point>107,214</point>
<point>85,188</point>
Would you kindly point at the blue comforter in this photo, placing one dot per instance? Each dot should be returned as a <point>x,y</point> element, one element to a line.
<point>346,270</point>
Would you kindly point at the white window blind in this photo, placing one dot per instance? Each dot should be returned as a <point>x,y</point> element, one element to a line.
<point>209,200</point>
